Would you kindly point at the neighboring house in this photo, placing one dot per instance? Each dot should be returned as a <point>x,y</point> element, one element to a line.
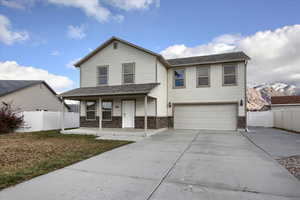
<point>126,86</point>
<point>284,102</point>
<point>29,95</point>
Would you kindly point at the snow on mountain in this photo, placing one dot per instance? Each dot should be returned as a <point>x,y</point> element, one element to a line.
<point>259,96</point>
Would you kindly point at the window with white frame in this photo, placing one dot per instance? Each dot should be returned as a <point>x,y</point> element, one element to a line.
<point>91,110</point>
<point>103,75</point>
<point>128,73</point>
<point>179,78</point>
<point>203,76</point>
<point>107,110</point>
<point>230,74</point>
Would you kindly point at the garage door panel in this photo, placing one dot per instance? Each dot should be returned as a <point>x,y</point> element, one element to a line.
<point>211,117</point>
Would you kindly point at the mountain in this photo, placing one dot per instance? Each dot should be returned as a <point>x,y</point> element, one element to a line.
<point>259,96</point>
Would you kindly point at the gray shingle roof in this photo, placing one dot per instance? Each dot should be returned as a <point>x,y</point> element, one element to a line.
<point>215,58</point>
<point>9,86</point>
<point>110,90</point>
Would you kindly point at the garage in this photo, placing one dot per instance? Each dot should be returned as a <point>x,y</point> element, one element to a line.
<point>205,116</point>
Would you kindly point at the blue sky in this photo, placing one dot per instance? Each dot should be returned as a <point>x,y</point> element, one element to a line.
<point>51,34</point>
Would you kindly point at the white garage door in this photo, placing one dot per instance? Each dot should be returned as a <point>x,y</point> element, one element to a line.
<point>210,117</point>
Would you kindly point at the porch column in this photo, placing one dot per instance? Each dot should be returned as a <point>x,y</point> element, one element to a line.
<point>100,112</point>
<point>145,113</point>
<point>62,117</point>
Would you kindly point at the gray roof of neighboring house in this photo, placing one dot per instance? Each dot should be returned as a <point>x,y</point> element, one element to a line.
<point>208,59</point>
<point>110,90</point>
<point>9,86</point>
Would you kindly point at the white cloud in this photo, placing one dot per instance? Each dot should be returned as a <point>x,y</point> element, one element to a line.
<point>92,8</point>
<point>274,53</point>
<point>12,4</point>
<point>9,36</point>
<point>72,62</point>
<point>134,4</point>
<point>11,70</point>
<point>55,53</point>
<point>76,32</point>
<point>224,43</point>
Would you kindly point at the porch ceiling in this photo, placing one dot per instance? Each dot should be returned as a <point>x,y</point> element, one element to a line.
<point>109,91</point>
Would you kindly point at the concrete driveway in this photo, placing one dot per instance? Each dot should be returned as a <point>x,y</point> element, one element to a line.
<point>278,143</point>
<point>172,165</point>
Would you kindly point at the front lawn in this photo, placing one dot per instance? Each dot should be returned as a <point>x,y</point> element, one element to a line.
<point>26,155</point>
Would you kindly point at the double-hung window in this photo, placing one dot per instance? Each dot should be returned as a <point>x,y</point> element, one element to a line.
<point>230,74</point>
<point>103,75</point>
<point>91,110</point>
<point>179,78</point>
<point>203,76</point>
<point>128,73</point>
<point>107,110</point>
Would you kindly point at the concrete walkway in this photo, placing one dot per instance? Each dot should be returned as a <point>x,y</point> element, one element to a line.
<point>173,165</point>
<point>277,143</point>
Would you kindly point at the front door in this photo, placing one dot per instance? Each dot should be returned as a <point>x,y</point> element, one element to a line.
<point>128,112</point>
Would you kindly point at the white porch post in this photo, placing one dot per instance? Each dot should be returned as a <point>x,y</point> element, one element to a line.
<point>62,118</point>
<point>145,113</point>
<point>100,112</point>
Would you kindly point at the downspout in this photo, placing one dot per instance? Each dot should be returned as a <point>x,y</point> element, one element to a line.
<point>246,114</point>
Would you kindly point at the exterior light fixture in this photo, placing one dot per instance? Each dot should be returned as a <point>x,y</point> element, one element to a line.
<point>170,105</point>
<point>241,102</point>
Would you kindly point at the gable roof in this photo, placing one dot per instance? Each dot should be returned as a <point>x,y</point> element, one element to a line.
<point>285,100</point>
<point>9,86</point>
<point>110,90</point>
<point>105,44</point>
<point>209,59</point>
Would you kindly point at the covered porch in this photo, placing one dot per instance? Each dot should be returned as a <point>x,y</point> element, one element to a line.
<point>122,107</point>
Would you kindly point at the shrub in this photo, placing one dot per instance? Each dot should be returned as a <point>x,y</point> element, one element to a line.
<point>10,118</point>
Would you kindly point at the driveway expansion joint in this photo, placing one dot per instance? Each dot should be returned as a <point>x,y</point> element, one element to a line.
<point>112,174</point>
<point>173,165</point>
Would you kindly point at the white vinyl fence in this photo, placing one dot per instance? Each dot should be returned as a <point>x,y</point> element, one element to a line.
<point>288,119</point>
<point>44,120</point>
<point>263,118</point>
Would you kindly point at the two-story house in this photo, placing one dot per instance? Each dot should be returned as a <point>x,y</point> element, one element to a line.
<point>123,85</point>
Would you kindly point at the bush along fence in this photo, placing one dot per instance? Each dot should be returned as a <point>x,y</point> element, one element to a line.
<point>46,120</point>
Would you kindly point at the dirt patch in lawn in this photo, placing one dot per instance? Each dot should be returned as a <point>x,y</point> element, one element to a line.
<point>292,164</point>
<point>26,155</point>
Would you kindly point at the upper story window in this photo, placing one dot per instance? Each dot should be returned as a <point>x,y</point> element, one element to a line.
<point>128,73</point>
<point>107,110</point>
<point>203,76</point>
<point>230,74</point>
<point>103,75</point>
<point>91,110</point>
<point>179,78</point>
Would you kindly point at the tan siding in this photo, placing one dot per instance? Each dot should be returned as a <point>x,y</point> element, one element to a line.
<point>215,93</point>
<point>33,98</point>
<point>144,65</point>
<point>160,92</point>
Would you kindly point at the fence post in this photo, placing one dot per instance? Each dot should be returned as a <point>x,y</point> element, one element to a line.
<point>43,119</point>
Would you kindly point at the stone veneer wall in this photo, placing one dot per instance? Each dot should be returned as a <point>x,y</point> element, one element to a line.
<point>241,122</point>
<point>171,122</point>
<point>153,122</point>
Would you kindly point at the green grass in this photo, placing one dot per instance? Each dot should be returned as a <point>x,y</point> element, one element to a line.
<point>27,155</point>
